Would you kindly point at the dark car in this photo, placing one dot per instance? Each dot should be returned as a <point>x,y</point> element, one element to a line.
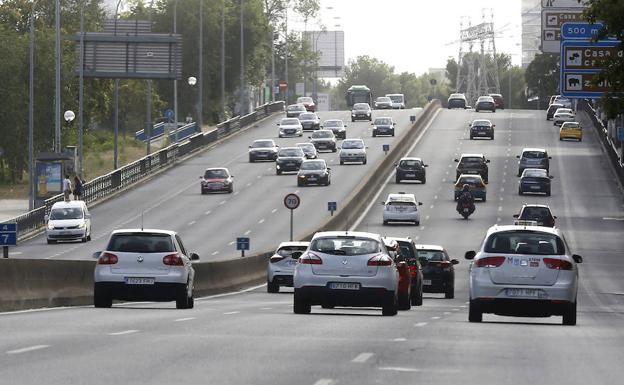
<point>499,101</point>
<point>485,103</point>
<point>481,128</point>
<point>438,270</point>
<point>457,101</point>
<point>216,179</point>
<point>534,180</point>
<point>552,108</point>
<point>263,149</point>
<point>337,126</point>
<point>289,159</point>
<point>534,214</point>
<point>314,171</point>
<point>361,111</point>
<point>383,102</point>
<point>533,158</point>
<point>310,121</point>
<point>308,149</point>
<point>472,164</point>
<point>383,126</point>
<point>411,169</point>
<point>294,110</point>
<point>324,140</point>
<point>408,253</point>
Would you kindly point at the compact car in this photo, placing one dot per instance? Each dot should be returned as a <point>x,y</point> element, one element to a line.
<point>68,221</point>
<point>401,207</point>
<point>281,266</point>
<point>481,128</point>
<point>308,149</point>
<point>563,115</point>
<point>310,121</point>
<point>263,149</point>
<point>383,103</point>
<point>383,126</point>
<point>294,110</point>
<point>534,180</point>
<point>361,111</point>
<point>290,127</point>
<point>337,126</point>
<point>352,150</point>
<point>324,140</point>
<point>475,183</point>
<point>438,270</point>
<point>314,171</point>
<point>307,102</point>
<point>535,214</point>
<point>457,101</point>
<point>472,164</point>
<point>411,168</point>
<point>485,103</point>
<point>571,130</point>
<point>216,180</point>
<point>533,158</point>
<point>499,101</point>
<point>289,159</point>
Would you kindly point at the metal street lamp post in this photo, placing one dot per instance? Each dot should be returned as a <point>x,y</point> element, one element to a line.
<point>223,58</point>
<point>200,96</point>
<point>57,65</point>
<point>175,80</point>
<point>31,96</point>
<point>243,110</point>
<point>192,80</point>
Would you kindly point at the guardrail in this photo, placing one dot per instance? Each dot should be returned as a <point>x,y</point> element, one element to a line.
<point>121,178</point>
<point>158,130</point>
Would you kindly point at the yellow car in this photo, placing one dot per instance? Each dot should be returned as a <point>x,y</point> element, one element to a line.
<point>571,130</point>
<point>477,186</point>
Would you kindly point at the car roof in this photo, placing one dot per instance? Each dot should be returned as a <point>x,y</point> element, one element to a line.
<point>457,96</point>
<point>535,205</point>
<point>293,243</point>
<point>384,117</point>
<point>472,156</point>
<point>307,144</point>
<point>497,95</point>
<point>262,140</point>
<point>314,160</point>
<point>353,140</point>
<point>147,231</point>
<point>333,120</point>
<point>410,158</point>
<point>290,148</point>
<point>462,176</point>
<point>361,234</point>
<point>63,204</point>
<point>543,229</point>
<point>563,109</point>
<point>533,149</point>
<point>401,197</point>
<point>540,170</point>
<point>481,121</point>
<point>216,168</point>
<point>429,247</point>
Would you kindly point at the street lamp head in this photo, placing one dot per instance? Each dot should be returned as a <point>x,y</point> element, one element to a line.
<point>69,116</point>
<point>192,81</point>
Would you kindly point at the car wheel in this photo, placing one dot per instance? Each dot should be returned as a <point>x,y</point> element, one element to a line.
<point>392,133</point>
<point>520,192</point>
<point>492,137</point>
<point>364,162</point>
<point>341,162</point>
<point>417,223</point>
<point>397,180</point>
<point>251,160</point>
<point>334,149</point>
<point>83,239</point>
<point>89,236</point>
<point>231,190</point>
<point>471,137</point>
<point>51,241</point>
<point>385,222</point>
<point>299,184</point>
<point>272,287</point>
<point>182,300</point>
<point>374,134</point>
<point>450,292</point>
<point>474,312</point>
<point>569,314</point>
<point>191,302</point>
<point>423,180</point>
<point>278,172</point>
<point>390,308</point>
<point>449,107</point>
<point>352,120</point>
<point>484,199</point>
<point>417,299</point>
<point>560,139</point>
<point>476,110</point>
<point>404,301</point>
<point>101,298</point>
<point>548,193</point>
<point>300,306</point>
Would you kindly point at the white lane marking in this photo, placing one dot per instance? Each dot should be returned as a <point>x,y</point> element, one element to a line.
<point>448,172</point>
<point>236,192</point>
<point>184,319</point>
<point>498,219</point>
<point>400,339</point>
<point>500,199</point>
<point>504,180</point>
<point>131,331</point>
<point>427,217</point>
<point>261,221</point>
<point>431,206</point>
<point>612,219</point>
<point>324,381</point>
<point>207,212</point>
<point>273,211</point>
<point>248,184</point>
<point>222,203</point>
<point>270,169</point>
<point>191,223</point>
<point>362,357</point>
<point>422,227</point>
<point>435,197</point>
<point>259,176</point>
<point>456,309</point>
<point>446,313</point>
<point>436,317</point>
<point>231,243</point>
<point>247,232</point>
<point>500,208</point>
<point>399,369</point>
<point>296,191</point>
<point>420,324</point>
<point>28,349</point>
<point>231,312</point>
<point>215,253</point>
<point>15,253</point>
<point>266,308</point>
<point>502,189</point>
<point>416,237</point>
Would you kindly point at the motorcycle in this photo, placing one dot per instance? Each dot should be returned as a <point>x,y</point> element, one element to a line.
<point>465,209</point>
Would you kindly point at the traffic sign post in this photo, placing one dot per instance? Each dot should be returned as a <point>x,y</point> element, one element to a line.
<point>8,237</point>
<point>579,30</point>
<point>242,244</point>
<point>331,207</point>
<point>385,148</point>
<point>552,20</point>
<point>291,201</point>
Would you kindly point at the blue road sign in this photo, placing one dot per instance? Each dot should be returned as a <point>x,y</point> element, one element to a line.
<point>332,206</point>
<point>242,243</point>
<point>8,234</point>
<point>620,134</point>
<point>385,147</point>
<point>579,30</point>
<point>169,114</point>
<point>580,61</point>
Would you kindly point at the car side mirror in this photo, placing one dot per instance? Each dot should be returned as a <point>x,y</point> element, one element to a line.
<point>493,125</point>
<point>470,254</point>
<point>518,156</point>
<point>419,203</point>
<point>551,177</point>
<point>454,261</point>
<point>201,177</point>
<point>487,161</point>
<point>550,157</point>
<point>231,176</point>
<point>382,203</point>
<point>345,126</point>
<point>426,165</point>
<point>554,217</point>
<point>456,160</point>
<point>309,137</point>
<point>96,255</point>
<point>278,124</point>
<point>194,257</point>
<point>577,258</point>
<point>394,124</point>
<point>469,124</point>
<point>249,146</point>
<point>372,124</point>
<point>516,215</point>
<point>88,216</point>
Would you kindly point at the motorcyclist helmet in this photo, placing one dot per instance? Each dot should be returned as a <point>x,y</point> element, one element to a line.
<point>466,187</point>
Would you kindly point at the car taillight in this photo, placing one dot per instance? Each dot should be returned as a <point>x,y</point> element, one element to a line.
<point>310,259</point>
<point>490,261</point>
<point>276,258</point>
<point>413,270</point>
<point>173,260</point>
<point>107,259</point>
<point>442,264</point>
<point>380,260</point>
<point>558,264</point>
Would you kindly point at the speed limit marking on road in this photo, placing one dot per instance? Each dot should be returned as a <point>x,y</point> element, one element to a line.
<point>292,201</point>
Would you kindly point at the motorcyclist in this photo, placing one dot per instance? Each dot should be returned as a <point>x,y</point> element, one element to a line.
<point>465,198</point>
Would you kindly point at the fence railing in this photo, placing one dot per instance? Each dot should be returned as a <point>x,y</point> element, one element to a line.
<point>121,178</point>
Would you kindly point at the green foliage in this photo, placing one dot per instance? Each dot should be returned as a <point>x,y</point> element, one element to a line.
<point>542,77</point>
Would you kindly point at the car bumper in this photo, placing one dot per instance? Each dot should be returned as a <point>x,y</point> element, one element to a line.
<point>570,135</point>
<point>482,133</point>
<point>366,296</point>
<point>316,180</point>
<point>353,158</point>
<point>219,188</point>
<point>453,104</point>
<point>361,116</point>
<point>262,156</point>
<point>325,146</point>
<point>534,188</point>
<point>66,234</point>
<point>287,167</point>
<point>159,291</point>
<point>408,175</point>
<point>287,133</point>
<point>401,217</point>
<point>383,131</point>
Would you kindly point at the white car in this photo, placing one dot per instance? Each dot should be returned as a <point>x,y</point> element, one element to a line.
<point>401,207</point>
<point>563,115</point>
<point>398,100</point>
<point>144,265</point>
<point>282,264</point>
<point>346,268</point>
<point>523,271</point>
<point>567,103</point>
<point>352,150</point>
<point>290,127</point>
<point>68,221</point>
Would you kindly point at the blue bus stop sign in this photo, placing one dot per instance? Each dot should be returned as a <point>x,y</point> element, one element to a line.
<point>332,206</point>
<point>8,234</point>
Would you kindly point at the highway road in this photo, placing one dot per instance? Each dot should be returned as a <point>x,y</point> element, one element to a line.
<point>209,224</point>
<point>253,337</point>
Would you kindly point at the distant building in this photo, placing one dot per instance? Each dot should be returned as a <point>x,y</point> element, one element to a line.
<point>531,30</point>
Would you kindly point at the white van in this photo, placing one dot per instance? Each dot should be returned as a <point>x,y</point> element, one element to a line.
<point>398,100</point>
<point>68,221</point>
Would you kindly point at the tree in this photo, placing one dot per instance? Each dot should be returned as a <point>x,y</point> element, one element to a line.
<point>611,14</point>
<point>542,76</point>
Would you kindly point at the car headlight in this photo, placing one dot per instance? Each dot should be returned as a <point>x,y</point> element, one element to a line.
<point>82,225</point>
<point>301,176</point>
<point>50,226</point>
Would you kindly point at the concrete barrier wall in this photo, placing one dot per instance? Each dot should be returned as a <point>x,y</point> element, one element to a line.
<point>30,283</point>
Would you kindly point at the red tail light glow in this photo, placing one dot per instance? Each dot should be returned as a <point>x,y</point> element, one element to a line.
<point>557,264</point>
<point>173,260</point>
<point>413,270</point>
<point>490,261</point>
<point>442,264</point>
<point>107,259</point>
<point>276,258</point>
<point>310,259</point>
<point>380,260</point>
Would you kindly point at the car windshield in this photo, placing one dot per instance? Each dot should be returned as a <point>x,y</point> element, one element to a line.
<point>345,246</point>
<point>533,213</point>
<point>361,106</point>
<point>332,123</point>
<point>534,155</point>
<point>383,121</point>
<point>322,134</point>
<point>525,242</point>
<point>290,122</point>
<point>571,125</point>
<point>481,123</point>
<point>384,99</point>
<point>347,144</point>
<point>485,99</point>
<point>215,174</point>
<point>307,117</point>
<point>66,213</point>
<point>287,251</point>
<point>406,249</point>
<point>141,243</point>
<point>410,163</point>
<point>563,111</point>
<point>471,180</point>
<point>456,96</point>
<point>317,165</point>
<point>306,146</point>
<point>263,143</point>
<point>290,152</point>
<point>432,255</point>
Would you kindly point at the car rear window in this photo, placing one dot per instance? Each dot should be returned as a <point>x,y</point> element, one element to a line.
<point>471,160</point>
<point>525,242</point>
<point>322,134</point>
<point>400,203</point>
<point>432,255</point>
<point>383,121</point>
<point>332,123</point>
<point>345,246</point>
<point>473,181</point>
<point>287,251</point>
<point>307,117</point>
<point>535,212</point>
<point>410,163</point>
<point>291,152</point>
<point>349,144</point>
<point>141,243</point>
<point>534,155</point>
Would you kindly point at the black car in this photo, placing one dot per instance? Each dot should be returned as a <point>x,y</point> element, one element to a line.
<point>481,128</point>
<point>408,252</point>
<point>550,112</point>
<point>216,179</point>
<point>533,214</point>
<point>361,111</point>
<point>534,180</point>
<point>309,150</point>
<point>456,101</point>
<point>337,126</point>
<point>383,126</point>
<point>310,121</point>
<point>438,270</point>
<point>411,169</point>
<point>263,149</point>
<point>289,159</point>
<point>472,164</point>
<point>314,171</point>
<point>485,103</point>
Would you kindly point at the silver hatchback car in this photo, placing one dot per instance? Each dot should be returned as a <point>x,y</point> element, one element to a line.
<point>346,268</point>
<point>525,271</point>
<point>144,265</point>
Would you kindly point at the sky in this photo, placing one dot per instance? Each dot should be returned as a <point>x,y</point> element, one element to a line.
<point>415,35</point>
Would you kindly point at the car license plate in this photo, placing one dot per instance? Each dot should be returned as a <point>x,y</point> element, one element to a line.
<point>139,281</point>
<point>427,282</point>
<point>292,262</point>
<point>533,293</point>
<point>344,285</point>
<point>64,232</point>
<point>312,178</point>
<point>535,187</point>
<point>410,175</point>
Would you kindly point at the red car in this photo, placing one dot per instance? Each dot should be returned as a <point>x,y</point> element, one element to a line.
<point>308,102</point>
<point>499,102</point>
<point>405,276</point>
<point>217,179</point>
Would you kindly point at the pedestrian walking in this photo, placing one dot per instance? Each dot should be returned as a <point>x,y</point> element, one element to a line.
<point>78,188</point>
<point>67,187</point>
